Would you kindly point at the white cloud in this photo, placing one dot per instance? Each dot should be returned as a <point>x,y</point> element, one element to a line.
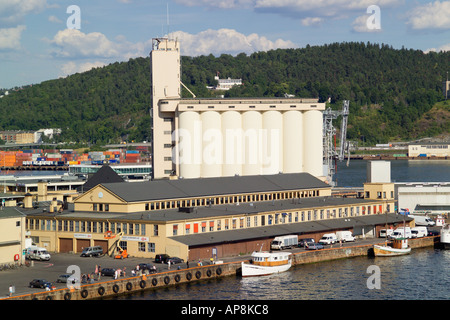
<point>223,4</point>
<point>72,43</point>
<point>312,21</point>
<point>74,67</point>
<point>12,12</point>
<point>54,19</point>
<point>310,12</point>
<point>360,25</point>
<point>81,49</point>
<point>445,47</point>
<point>10,37</point>
<point>430,16</point>
<point>225,41</point>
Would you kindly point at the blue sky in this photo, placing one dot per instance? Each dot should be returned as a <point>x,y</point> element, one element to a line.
<point>38,44</point>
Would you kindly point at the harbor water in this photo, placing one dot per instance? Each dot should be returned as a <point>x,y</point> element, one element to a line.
<point>422,275</point>
<point>354,175</point>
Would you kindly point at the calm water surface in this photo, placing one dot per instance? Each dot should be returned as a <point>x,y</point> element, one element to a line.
<point>401,171</point>
<point>422,275</point>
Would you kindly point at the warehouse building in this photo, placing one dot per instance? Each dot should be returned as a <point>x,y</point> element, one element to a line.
<point>12,235</point>
<point>198,218</point>
<point>429,149</point>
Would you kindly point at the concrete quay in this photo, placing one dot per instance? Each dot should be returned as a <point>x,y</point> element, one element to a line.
<point>109,288</point>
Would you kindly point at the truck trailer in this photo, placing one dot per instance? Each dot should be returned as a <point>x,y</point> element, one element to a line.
<point>283,242</point>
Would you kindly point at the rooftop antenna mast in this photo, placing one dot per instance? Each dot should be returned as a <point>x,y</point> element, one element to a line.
<point>168,31</point>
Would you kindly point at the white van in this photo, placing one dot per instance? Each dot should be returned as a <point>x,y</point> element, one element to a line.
<point>401,233</point>
<point>344,236</point>
<point>423,221</point>
<point>37,253</point>
<point>386,233</point>
<point>284,242</point>
<point>328,238</point>
<point>419,232</point>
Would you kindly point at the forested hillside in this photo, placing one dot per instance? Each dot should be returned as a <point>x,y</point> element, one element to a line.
<point>390,91</point>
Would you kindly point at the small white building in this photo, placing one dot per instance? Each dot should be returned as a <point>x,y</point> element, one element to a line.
<point>227,84</point>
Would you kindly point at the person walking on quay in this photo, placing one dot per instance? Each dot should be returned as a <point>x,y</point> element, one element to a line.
<point>99,272</point>
<point>187,264</point>
<point>11,290</point>
<point>168,264</point>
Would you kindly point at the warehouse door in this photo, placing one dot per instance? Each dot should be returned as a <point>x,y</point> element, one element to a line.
<point>103,244</point>
<point>65,245</point>
<point>83,243</point>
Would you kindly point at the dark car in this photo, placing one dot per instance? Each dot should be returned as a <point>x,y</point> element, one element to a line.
<point>433,233</point>
<point>161,258</point>
<point>302,242</point>
<point>64,278</point>
<point>314,246</point>
<point>108,272</point>
<point>40,283</point>
<point>147,266</point>
<point>174,260</point>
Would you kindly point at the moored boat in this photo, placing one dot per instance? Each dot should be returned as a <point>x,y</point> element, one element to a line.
<point>445,236</point>
<point>397,247</point>
<point>265,263</point>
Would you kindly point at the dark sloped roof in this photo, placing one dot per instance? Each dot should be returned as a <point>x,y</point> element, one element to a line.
<point>184,188</point>
<point>285,229</point>
<point>10,212</point>
<point>104,175</point>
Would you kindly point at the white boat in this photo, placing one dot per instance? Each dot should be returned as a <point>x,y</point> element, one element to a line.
<point>265,263</point>
<point>398,247</point>
<point>445,236</point>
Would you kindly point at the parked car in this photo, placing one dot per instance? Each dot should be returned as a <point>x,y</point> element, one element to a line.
<point>92,251</point>
<point>64,278</point>
<point>40,283</point>
<point>302,242</point>
<point>147,266</point>
<point>108,272</point>
<point>161,258</point>
<point>314,246</point>
<point>433,233</point>
<point>174,260</point>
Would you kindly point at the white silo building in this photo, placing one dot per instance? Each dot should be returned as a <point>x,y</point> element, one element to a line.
<point>195,138</point>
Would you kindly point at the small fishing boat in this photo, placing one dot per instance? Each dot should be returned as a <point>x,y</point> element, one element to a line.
<point>397,247</point>
<point>265,263</point>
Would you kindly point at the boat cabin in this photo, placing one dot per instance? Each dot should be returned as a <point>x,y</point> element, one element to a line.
<point>270,259</point>
<point>401,243</point>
